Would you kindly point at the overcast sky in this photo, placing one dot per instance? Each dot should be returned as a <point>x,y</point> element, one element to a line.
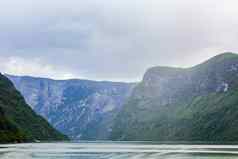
<point>112,39</point>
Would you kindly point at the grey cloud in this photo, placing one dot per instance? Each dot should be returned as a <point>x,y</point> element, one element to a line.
<point>116,40</point>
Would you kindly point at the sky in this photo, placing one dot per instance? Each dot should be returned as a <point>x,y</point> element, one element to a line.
<point>114,40</point>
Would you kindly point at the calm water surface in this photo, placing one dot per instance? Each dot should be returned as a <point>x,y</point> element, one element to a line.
<point>117,150</point>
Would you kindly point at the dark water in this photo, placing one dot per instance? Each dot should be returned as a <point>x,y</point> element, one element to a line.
<point>117,150</point>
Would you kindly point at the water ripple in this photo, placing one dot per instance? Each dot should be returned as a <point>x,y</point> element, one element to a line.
<point>116,151</point>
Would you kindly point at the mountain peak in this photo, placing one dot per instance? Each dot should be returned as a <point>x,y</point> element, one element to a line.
<point>223,56</point>
<point>227,54</point>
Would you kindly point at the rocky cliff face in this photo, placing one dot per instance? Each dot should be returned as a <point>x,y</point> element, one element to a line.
<point>183,104</point>
<point>81,109</point>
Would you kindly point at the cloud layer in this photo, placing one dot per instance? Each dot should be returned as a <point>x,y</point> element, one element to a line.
<point>112,40</point>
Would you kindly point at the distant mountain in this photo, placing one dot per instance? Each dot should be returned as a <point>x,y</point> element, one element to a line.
<point>18,122</point>
<point>185,104</point>
<point>81,109</point>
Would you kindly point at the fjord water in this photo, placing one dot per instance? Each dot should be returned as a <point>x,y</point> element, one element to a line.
<point>117,150</point>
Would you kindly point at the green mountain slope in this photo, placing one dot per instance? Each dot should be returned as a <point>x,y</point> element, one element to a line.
<point>18,122</point>
<point>8,131</point>
<point>193,104</point>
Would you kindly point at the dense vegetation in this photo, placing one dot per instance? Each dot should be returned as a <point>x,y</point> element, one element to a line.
<point>194,104</point>
<point>18,122</point>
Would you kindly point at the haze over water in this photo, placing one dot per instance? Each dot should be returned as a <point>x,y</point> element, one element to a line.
<point>116,150</point>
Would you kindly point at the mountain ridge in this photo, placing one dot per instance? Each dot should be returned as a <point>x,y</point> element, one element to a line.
<point>75,107</point>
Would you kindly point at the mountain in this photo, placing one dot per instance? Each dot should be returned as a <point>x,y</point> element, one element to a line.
<point>183,104</point>
<point>81,109</point>
<point>18,122</point>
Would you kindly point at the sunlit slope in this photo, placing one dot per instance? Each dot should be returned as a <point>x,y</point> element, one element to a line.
<point>18,122</point>
<point>193,104</point>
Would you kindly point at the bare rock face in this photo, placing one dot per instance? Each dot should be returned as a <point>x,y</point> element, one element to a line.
<point>81,109</point>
